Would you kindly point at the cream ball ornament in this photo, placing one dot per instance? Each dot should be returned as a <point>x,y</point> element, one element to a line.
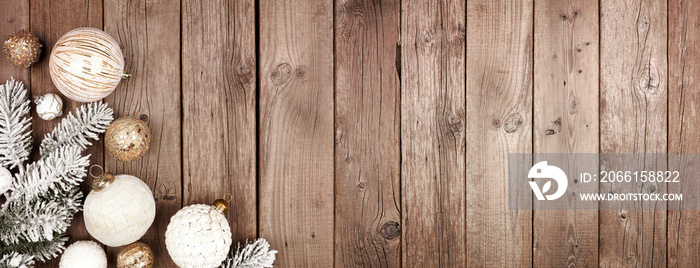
<point>84,254</point>
<point>199,236</point>
<point>119,209</point>
<point>5,180</point>
<point>48,106</point>
<point>86,64</point>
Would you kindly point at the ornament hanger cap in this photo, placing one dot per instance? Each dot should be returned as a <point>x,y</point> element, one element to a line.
<point>101,181</point>
<point>222,205</point>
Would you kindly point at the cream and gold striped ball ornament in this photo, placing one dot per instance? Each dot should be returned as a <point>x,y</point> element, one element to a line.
<point>86,64</point>
<point>119,209</point>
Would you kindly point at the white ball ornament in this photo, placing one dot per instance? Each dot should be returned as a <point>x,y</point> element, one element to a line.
<point>119,210</point>
<point>86,64</point>
<point>49,106</point>
<point>5,180</point>
<point>199,236</point>
<point>84,254</point>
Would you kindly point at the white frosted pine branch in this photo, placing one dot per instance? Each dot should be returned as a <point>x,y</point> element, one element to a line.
<point>15,137</point>
<point>253,255</point>
<point>16,260</point>
<point>90,120</point>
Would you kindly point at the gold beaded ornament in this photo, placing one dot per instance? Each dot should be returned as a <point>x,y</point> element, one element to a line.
<point>136,255</point>
<point>22,49</point>
<point>86,64</point>
<point>127,139</point>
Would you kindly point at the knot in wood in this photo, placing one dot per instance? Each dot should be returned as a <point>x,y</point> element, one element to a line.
<point>496,123</point>
<point>281,74</point>
<point>573,105</point>
<point>300,72</point>
<point>648,79</point>
<point>245,75</point>
<point>512,123</point>
<point>454,123</point>
<point>143,117</point>
<point>391,230</point>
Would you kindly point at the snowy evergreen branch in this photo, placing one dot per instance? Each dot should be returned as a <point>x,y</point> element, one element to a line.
<point>42,203</point>
<point>60,171</point>
<point>16,260</point>
<point>15,137</point>
<point>91,120</point>
<point>253,255</point>
<point>44,195</point>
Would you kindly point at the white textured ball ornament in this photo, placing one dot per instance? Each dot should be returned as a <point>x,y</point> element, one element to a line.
<point>86,64</point>
<point>49,106</point>
<point>5,180</point>
<point>84,254</point>
<point>198,236</point>
<point>119,210</point>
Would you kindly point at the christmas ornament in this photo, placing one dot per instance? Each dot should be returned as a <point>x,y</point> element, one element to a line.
<point>119,209</point>
<point>136,255</point>
<point>22,49</point>
<point>86,64</point>
<point>127,139</point>
<point>199,235</point>
<point>84,254</point>
<point>5,180</point>
<point>49,106</point>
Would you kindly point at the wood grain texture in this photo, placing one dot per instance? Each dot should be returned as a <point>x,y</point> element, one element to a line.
<point>566,121</point>
<point>296,131</point>
<point>49,21</point>
<point>684,126</point>
<point>432,133</point>
<point>368,200</point>
<point>149,32</point>
<point>499,122</point>
<point>633,110</point>
<point>15,17</point>
<point>218,102</point>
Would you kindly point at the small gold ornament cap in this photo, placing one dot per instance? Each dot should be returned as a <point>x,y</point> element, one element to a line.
<point>222,205</point>
<point>102,181</point>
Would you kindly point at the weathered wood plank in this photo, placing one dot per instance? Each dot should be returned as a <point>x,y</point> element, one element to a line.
<point>633,110</point>
<point>49,21</point>
<point>684,126</point>
<point>432,133</point>
<point>367,211</point>
<point>149,33</point>
<point>15,17</point>
<point>218,102</point>
<point>499,121</point>
<point>566,121</point>
<point>296,194</point>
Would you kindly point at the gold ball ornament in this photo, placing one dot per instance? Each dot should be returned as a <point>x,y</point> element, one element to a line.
<point>22,49</point>
<point>86,64</point>
<point>136,255</point>
<point>127,139</point>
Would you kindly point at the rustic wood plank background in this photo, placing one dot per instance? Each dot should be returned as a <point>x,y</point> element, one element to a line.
<point>375,133</point>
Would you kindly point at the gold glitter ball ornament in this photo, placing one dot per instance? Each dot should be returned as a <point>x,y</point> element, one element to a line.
<point>127,139</point>
<point>86,64</point>
<point>136,255</point>
<point>22,49</point>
